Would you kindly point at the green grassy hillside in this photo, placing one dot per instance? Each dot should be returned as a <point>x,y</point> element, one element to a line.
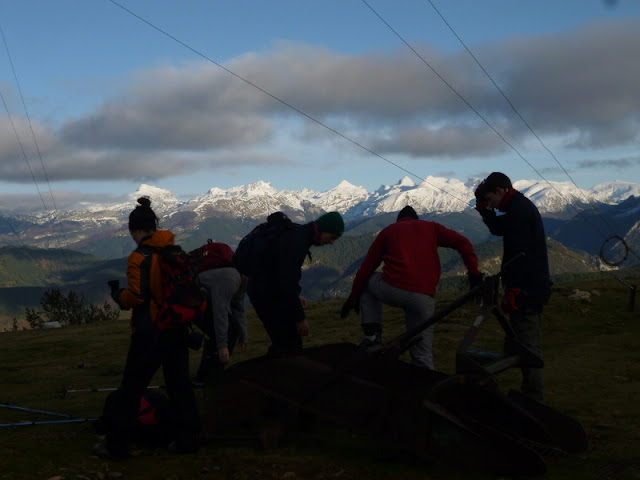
<point>592,354</point>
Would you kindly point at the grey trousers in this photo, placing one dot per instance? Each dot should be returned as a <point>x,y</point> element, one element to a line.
<point>527,327</point>
<point>418,307</point>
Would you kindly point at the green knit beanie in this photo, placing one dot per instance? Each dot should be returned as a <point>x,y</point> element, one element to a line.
<point>331,223</point>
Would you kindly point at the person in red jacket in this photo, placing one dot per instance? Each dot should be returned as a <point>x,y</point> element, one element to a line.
<point>409,277</point>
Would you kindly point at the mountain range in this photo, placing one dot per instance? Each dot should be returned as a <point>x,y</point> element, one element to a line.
<point>83,247</point>
<point>228,214</point>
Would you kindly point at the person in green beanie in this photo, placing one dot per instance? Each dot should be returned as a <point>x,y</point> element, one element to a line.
<point>275,291</point>
<point>331,224</point>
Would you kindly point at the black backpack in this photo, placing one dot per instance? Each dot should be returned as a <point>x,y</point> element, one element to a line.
<point>258,249</point>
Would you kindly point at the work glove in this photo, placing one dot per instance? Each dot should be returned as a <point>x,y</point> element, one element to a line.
<point>475,279</point>
<point>115,291</point>
<point>509,302</point>
<point>350,304</point>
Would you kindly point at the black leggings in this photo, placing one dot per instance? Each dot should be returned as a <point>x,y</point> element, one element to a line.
<point>147,353</point>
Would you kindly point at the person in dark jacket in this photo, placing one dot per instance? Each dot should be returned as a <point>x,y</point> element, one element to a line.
<point>525,280</point>
<point>151,347</point>
<point>275,292</point>
<point>409,277</point>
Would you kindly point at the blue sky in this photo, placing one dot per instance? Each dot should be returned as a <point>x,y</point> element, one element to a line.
<point>304,94</point>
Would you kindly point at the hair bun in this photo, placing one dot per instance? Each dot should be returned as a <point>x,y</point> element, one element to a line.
<point>145,201</point>
<point>143,217</point>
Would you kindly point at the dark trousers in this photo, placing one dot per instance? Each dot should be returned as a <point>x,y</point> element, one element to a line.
<point>527,325</point>
<point>147,353</point>
<point>284,336</point>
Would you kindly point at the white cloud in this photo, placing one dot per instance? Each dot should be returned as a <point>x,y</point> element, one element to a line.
<point>173,120</point>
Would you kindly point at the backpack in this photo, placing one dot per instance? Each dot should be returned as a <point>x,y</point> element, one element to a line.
<point>212,255</point>
<point>256,251</point>
<point>183,301</point>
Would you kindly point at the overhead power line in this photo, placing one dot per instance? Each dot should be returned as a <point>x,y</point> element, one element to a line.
<point>461,97</point>
<point>24,155</point>
<point>322,124</point>
<point>524,121</point>
<point>283,102</point>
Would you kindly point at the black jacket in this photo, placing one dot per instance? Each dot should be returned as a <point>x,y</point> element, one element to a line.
<point>281,281</point>
<point>523,232</point>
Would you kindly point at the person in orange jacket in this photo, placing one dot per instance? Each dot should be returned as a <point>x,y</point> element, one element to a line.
<point>151,347</point>
<point>409,278</point>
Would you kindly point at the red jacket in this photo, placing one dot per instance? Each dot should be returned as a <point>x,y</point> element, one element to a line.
<point>409,250</point>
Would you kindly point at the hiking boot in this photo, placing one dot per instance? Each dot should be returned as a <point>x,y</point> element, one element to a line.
<point>190,446</point>
<point>370,341</point>
<point>101,450</point>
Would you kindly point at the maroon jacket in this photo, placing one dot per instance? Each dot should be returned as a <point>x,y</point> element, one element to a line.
<point>409,250</point>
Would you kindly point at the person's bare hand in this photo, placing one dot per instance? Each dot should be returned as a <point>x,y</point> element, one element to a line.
<point>223,355</point>
<point>303,328</point>
<point>303,301</point>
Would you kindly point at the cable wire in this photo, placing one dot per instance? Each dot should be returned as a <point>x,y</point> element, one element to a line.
<point>322,124</point>
<point>37,147</point>
<point>474,109</point>
<point>283,102</point>
<point>515,110</point>
<point>459,95</point>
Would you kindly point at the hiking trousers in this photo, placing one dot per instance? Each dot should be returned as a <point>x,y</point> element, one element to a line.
<point>148,352</point>
<point>225,288</point>
<point>225,321</point>
<point>285,339</point>
<point>418,308</point>
<point>527,325</point>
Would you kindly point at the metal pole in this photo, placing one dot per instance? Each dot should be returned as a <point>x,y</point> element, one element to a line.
<point>67,418</point>
<point>33,410</point>
<point>63,392</point>
<point>405,340</point>
<point>48,422</point>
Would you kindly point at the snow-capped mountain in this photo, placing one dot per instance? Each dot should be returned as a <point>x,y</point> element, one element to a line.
<point>554,197</point>
<point>615,192</point>
<point>432,195</point>
<point>255,200</point>
<point>341,198</point>
<point>163,200</point>
<point>248,204</point>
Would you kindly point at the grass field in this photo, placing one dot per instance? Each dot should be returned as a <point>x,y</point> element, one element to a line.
<point>592,355</point>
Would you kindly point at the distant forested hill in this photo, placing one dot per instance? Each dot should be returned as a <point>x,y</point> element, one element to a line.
<point>26,272</point>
